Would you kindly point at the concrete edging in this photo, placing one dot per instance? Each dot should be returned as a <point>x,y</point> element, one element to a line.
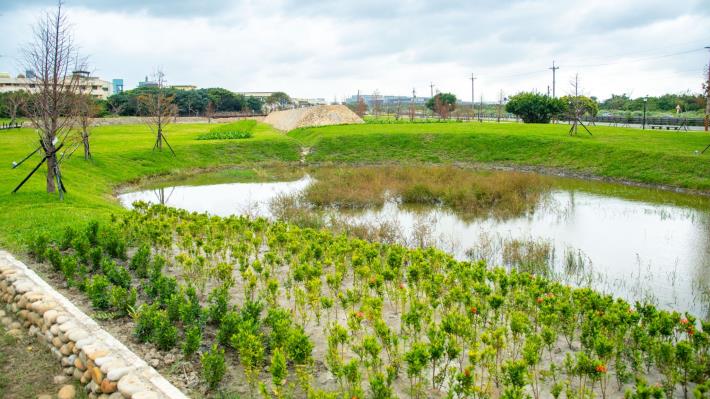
<point>87,352</point>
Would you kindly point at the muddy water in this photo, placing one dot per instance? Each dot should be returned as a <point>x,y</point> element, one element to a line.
<point>639,244</point>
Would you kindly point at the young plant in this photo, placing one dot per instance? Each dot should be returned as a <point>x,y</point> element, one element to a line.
<point>193,340</point>
<point>213,366</point>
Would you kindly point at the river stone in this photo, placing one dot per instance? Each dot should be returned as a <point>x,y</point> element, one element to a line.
<point>117,373</point>
<point>130,385</point>
<point>80,344</point>
<point>96,375</point>
<point>69,370</point>
<point>77,334</point>
<point>68,326</point>
<point>66,349</point>
<point>6,321</point>
<point>99,361</point>
<point>54,330</point>
<point>77,374</point>
<point>15,332</point>
<point>79,364</point>
<point>114,364</point>
<point>44,396</point>
<point>61,319</point>
<point>50,316</point>
<point>116,395</point>
<point>67,392</point>
<point>86,377</point>
<point>146,395</point>
<point>108,386</point>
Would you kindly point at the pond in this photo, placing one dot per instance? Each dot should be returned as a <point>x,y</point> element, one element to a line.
<point>639,244</point>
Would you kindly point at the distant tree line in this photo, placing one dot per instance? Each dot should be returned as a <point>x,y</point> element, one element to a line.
<point>666,102</point>
<point>188,102</point>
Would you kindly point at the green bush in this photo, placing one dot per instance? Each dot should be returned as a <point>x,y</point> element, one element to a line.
<point>95,256</point>
<point>98,291</point>
<point>146,322</point>
<point>141,261</point>
<point>55,258</point>
<point>213,366</point>
<point>166,334</point>
<point>68,238</point>
<point>535,107</point>
<point>122,299</point>
<point>231,131</point>
<point>38,246</point>
<point>193,340</point>
<point>114,244</point>
<point>115,273</point>
<point>218,304</point>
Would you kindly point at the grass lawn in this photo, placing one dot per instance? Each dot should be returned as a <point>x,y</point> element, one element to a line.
<point>123,155</point>
<point>631,154</point>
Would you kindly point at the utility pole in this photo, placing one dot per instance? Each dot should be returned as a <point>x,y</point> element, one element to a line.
<point>554,69</point>
<point>473,97</point>
<point>431,86</point>
<point>480,112</point>
<point>500,104</point>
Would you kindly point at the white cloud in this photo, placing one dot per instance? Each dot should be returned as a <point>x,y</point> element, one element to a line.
<point>317,49</point>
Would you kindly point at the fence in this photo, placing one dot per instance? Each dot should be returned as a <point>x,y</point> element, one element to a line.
<point>5,126</point>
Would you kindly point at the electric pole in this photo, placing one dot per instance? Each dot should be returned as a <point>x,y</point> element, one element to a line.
<point>431,86</point>
<point>473,97</point>
<point>554,69</point>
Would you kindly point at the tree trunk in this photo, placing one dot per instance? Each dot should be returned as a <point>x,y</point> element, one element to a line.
<point>51,164</point>
<point>87,150</point>
<point>159,140</point>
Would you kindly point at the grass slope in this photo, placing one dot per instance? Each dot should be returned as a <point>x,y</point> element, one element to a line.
<point>632,154</point>
<point>121,154</point>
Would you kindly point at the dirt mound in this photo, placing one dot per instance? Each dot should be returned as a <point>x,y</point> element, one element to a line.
<point>321,115</point>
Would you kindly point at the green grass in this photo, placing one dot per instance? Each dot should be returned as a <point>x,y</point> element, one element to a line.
<point>237,130</point>
<point>122,154</point>
<point>630,154</point>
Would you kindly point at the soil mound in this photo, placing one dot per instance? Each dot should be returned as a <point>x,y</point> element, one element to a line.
<point>321,115</point>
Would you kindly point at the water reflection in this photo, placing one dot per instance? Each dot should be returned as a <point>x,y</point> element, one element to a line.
<point>634,249</point>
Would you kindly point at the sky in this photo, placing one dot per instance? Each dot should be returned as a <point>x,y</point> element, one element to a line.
<point>331,49</point>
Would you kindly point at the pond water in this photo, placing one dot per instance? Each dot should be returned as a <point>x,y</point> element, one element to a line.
<point>638,244</point>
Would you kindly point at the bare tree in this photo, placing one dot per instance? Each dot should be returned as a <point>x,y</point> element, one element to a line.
<point>14,101</point>
<point>361,107</point>
<point>376,103</point>
<point>86,111</point>
<point>159,110</point>
<point>209,111</point>
<point>51,54</point>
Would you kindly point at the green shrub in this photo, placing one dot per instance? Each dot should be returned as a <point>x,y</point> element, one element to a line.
<point>92,232</point>
<point>190,309</point>
<point>38,246</point>
<point>166,334</point>
<point>146,322</point>
<point>218,304</point>
<point>114,244</point>
<point>115,273</point>
<point>82,246</point>
<point>299,347</point>
<point>95,256</point>
<point>70,266</point>
<point>213,366</point>
<point>55,258</point>
<point>67,238</point>
<point>228,327</point>
<point>141,261</point>
<point>193,340</point>
<point>230,131</point>
<point>98,291</point>
<point>122,299</point>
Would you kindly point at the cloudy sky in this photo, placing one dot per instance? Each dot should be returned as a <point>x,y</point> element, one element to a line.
<point>312,48</point>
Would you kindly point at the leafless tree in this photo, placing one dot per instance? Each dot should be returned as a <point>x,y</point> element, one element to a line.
<point>159,110</point>
<point>86,111</point>
<point>116,108</point>
<point>51,54</point>
<point>209,111</point>
<point>361,107</point>
<point>376,103</point>
<point>14,101</point>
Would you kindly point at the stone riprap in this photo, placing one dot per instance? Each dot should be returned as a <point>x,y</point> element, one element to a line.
<point>105,367</point>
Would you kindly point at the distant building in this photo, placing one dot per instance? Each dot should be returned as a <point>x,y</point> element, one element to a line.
<point>147,83</point>
<point>117,85</point>
<point>259,94</point>
<point>184,87</point>
<point>89,84</point>
<point>369,99</point>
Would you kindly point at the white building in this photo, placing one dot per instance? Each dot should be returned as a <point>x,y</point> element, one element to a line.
<point>89,84</point>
